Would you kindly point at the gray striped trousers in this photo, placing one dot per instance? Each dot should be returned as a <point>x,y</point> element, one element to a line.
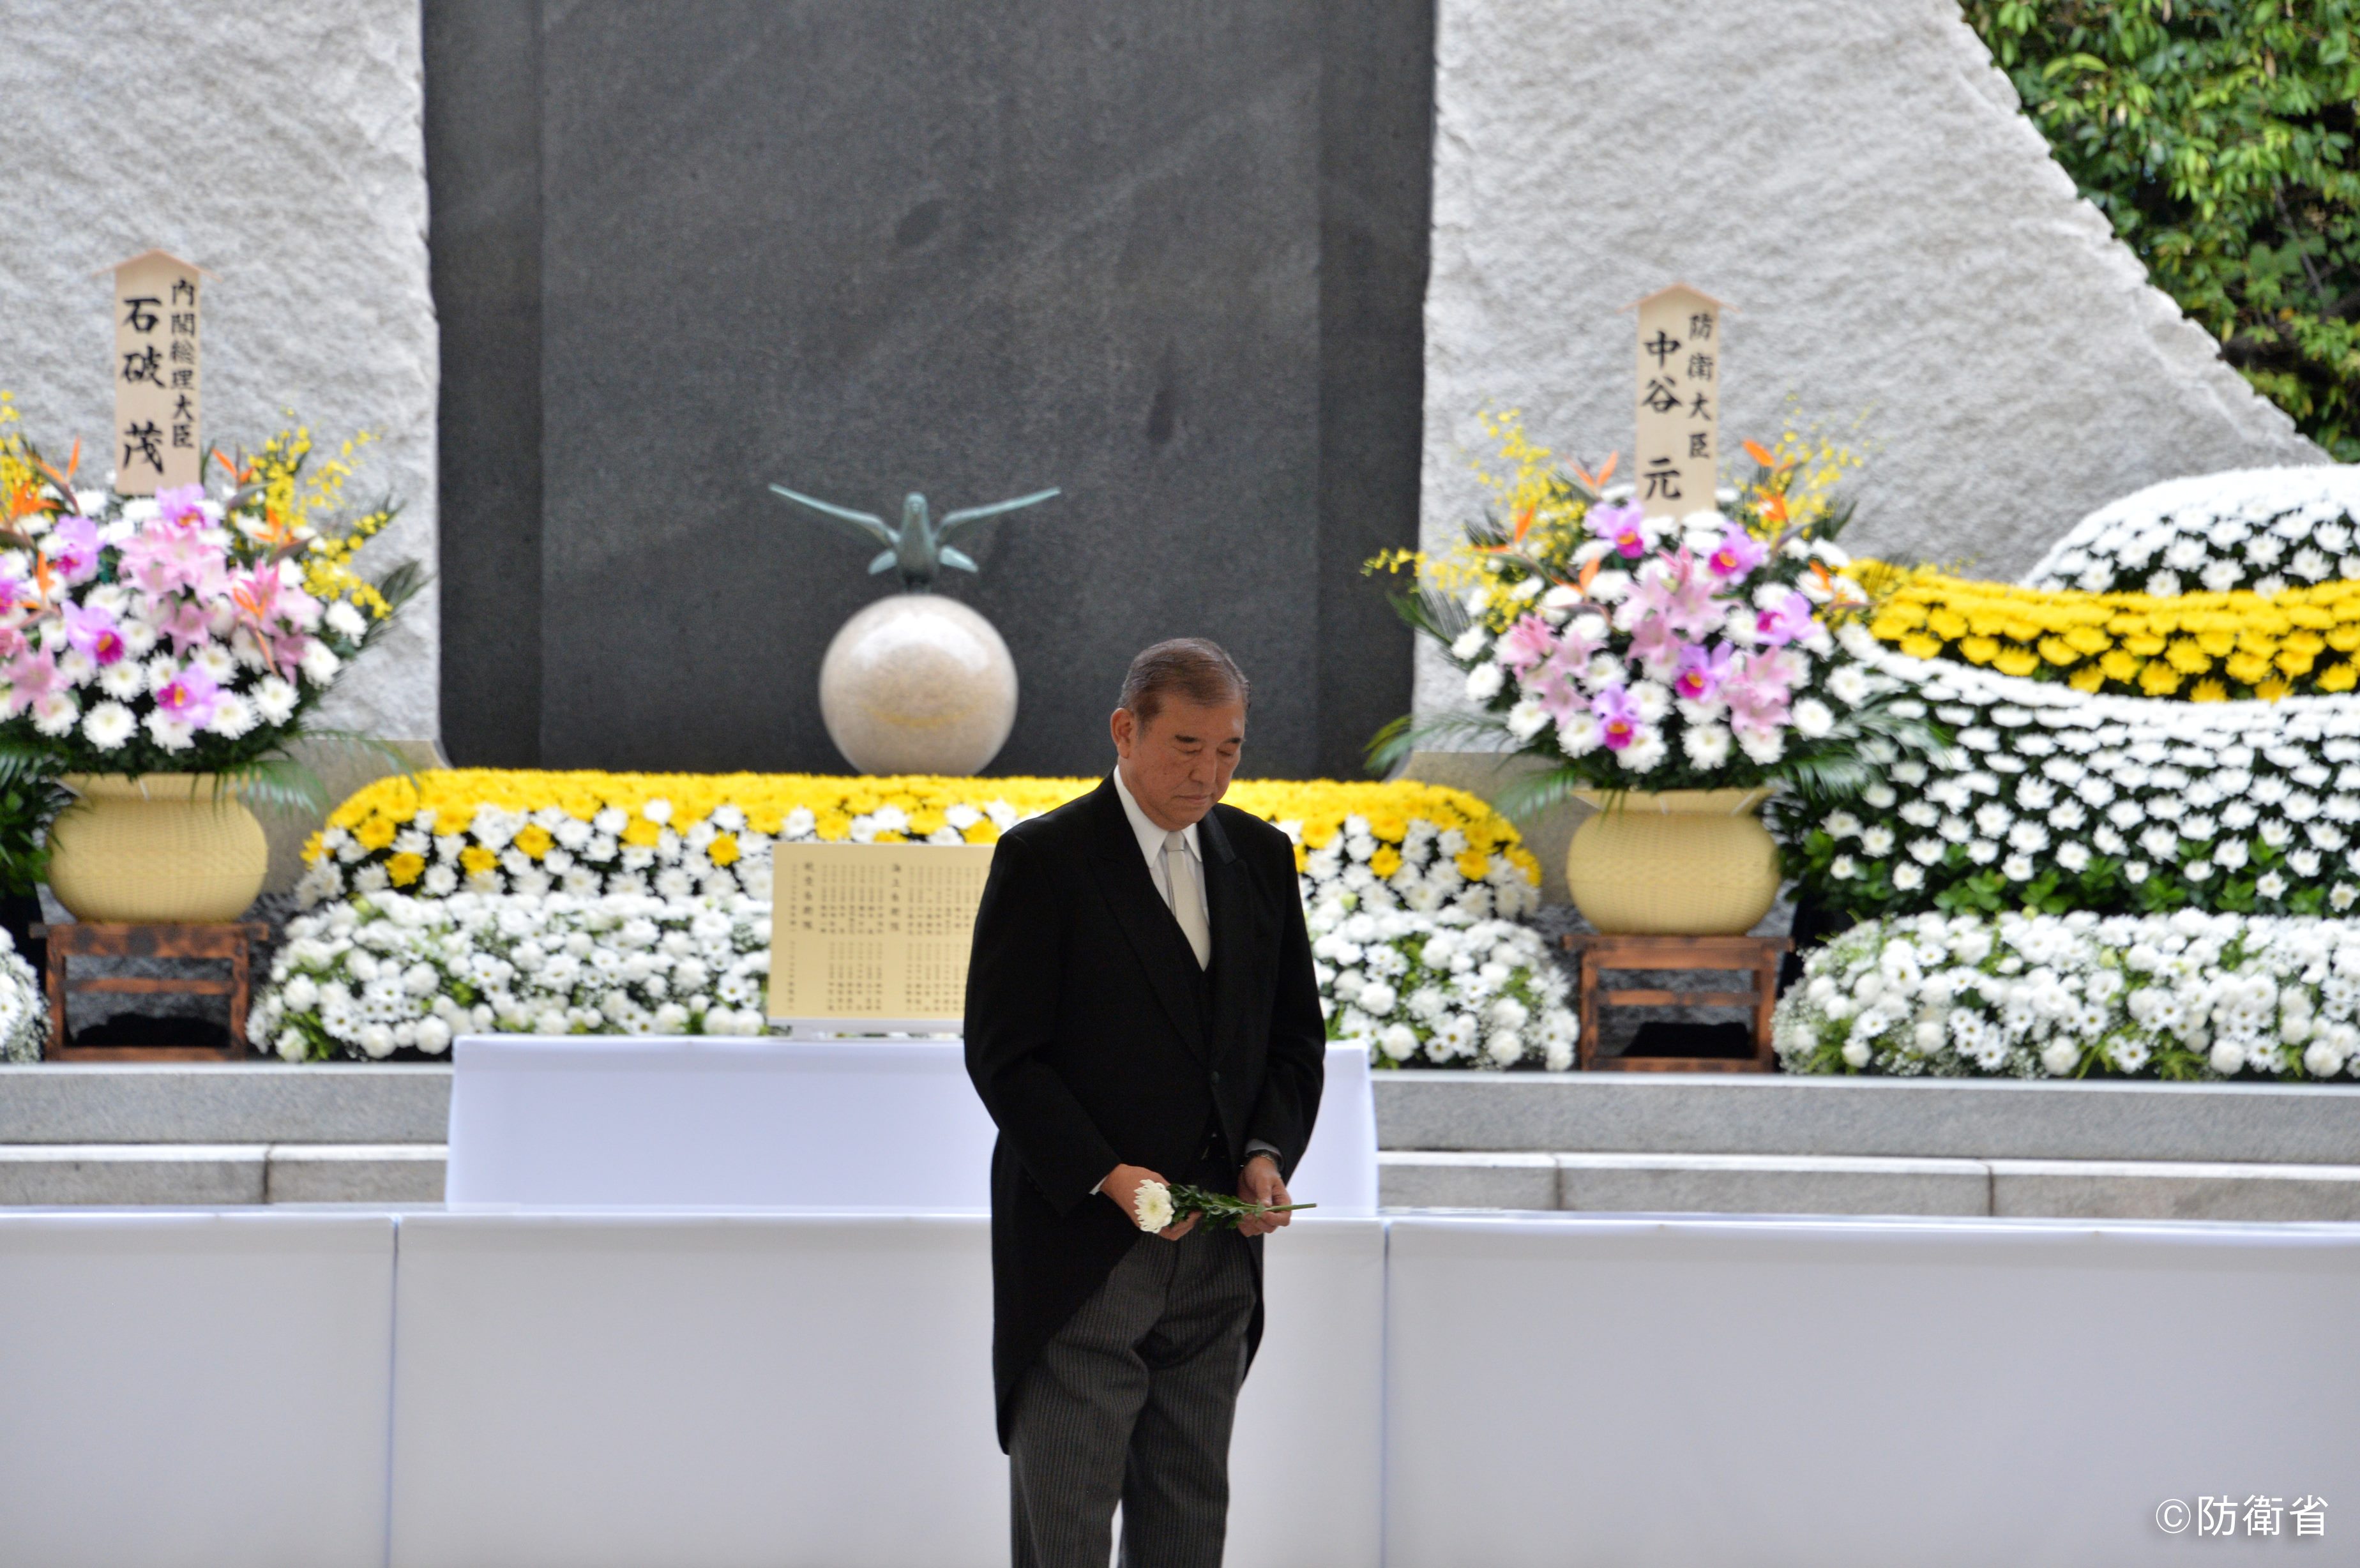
<point>1131,1401</point>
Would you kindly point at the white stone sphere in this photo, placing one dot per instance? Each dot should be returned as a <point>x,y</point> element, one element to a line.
<point>918,684</point>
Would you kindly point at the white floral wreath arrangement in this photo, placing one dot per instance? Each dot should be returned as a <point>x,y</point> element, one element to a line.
<point>24,1010</point>
<point>2265,530</point>
<point>1446,990</point>
<point>2059,801</point>
<point>2187,996</point>
<point>382,971</point>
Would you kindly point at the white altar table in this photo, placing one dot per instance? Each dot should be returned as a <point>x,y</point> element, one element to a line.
<point>584,1121</point>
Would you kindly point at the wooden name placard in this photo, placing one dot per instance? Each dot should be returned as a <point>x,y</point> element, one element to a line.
<point>873,936</point>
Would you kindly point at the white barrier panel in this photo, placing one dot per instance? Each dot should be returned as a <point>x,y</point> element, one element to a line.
<point>1307,1460</point>
<point>706,1121</point>
<point>581,1391</point>
<point>1720,1393</point>
<point>180,1390</point>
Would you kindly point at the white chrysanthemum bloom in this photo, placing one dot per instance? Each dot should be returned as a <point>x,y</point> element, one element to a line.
<point>1484,681</point>
<point>1706,746</point>
<point>343,619</point>
<point>1152,1206</point>
<point>320,664</point>
<point>1812,718</point>
<point>274,700</point>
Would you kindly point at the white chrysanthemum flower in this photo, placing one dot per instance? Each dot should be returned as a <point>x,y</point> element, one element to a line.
<point>1152,1206</point>
<point>274,700</point>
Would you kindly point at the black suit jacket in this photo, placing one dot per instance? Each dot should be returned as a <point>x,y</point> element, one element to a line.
<point>1085,1039</point>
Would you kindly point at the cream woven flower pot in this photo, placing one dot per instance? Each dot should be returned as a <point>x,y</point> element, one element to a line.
<point>1683,863</point>
<point>159,848</point>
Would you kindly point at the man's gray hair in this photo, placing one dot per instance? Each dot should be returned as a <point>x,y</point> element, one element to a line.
<point>1191,668</point>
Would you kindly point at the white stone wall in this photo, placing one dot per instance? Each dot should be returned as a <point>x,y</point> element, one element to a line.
<point>278,147</point>
<point>1856,176</point>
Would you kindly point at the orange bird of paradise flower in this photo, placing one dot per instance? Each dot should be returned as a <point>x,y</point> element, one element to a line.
<point>64,481</point>
<point>1766,458</point>
<point>1605,472</point>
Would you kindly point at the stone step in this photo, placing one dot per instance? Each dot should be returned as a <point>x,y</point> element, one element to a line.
<point>78,1102</point>
<point>213,1174</point>
<point>1911,1118</point>
<point>1676,1183</point>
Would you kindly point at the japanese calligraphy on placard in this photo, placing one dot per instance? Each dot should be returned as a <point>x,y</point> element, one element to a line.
<point>157,442</point>
<point>873,931</point>
<point>1678,402</point>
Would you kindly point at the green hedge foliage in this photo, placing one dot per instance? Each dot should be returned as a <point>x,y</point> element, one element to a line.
<point>2218,136</point>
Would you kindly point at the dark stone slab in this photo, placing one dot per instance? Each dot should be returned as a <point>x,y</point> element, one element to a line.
<point>1169,257</point>
<point>483,168</point>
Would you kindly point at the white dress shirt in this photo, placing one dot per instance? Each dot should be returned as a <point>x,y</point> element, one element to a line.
<point>1151,845</point>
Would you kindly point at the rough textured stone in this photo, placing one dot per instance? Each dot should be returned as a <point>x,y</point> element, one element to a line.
<point>1467,1181</point>
<point>347,1102</point>
<point>2130,1190</point>
<point>1771,1184</point>
<point>142,1173</point>
<point>355,1173</point>
<point>279,147</point>
<point>1948,1119</point>
<point>1855,177</point>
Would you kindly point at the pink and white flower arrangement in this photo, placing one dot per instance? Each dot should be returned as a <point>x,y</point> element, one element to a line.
<point>188,632</point>
<point>1639,652</point>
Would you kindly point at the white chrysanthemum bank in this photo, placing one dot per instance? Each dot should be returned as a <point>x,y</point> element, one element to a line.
<point>383,971</point>
<point>1440,990</point>
<point>1427,881</point>
<point>2260,529</point>
<point>24,1010</point>
<point>2185,996</point>
<point>587,859</point>
<point>2237,801</point>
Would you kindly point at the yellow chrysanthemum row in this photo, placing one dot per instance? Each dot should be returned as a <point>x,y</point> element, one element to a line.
<point>2202,647</point>
<point>446,801</point>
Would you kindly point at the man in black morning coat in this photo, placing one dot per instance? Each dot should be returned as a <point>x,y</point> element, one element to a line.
<point>1140,1008</point>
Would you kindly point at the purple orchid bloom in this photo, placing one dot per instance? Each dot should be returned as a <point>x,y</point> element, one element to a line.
<point>32,676</point>
<point>1738,553</point>
<point>1556,688</point>
<point>190,697</point>
<point>1654,646</point>
<point>94,633</point>
<point>72,548</point>
<point>1703,674</point>
<point>1526,644</point>
<point>187,622</point>
<point>1621,527</point>
<point>1618,717</point>
<point>163,560</point>
<point>181,502</point>
<point>1791,621</point>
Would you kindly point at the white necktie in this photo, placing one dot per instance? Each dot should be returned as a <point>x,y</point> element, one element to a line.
<point>1187,901</point>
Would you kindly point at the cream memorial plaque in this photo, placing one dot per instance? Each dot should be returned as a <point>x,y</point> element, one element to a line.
<point>873,937</point>
<point>158,436</point>
<point>1679,401</point>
